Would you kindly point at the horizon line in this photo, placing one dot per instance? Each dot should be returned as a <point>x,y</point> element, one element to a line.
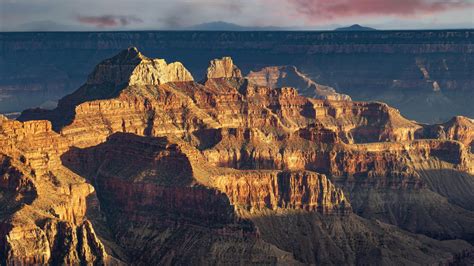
<point>243,30</point>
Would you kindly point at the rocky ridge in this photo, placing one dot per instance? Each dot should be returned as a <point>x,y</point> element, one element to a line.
<point>290,76</point>
<point>230,164</point>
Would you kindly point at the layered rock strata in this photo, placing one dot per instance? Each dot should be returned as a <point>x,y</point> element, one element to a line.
<point>44,217</point>
<point>223,68</point>
<point>144,165</point>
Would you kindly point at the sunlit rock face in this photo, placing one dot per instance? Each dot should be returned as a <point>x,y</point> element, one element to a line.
<point>44,212</point>
<point>256,191</point>
<point>133,68</point>
<point>223,68</point>
<point>143,165</point>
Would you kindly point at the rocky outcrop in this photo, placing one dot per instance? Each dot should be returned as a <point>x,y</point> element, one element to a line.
<point>458,128</point>
<point>133,68</point>
<point>376,159</point>
<point>44,216</point>
<point>290,76</point>
<point>223,68</point>
<point>108,80</point>
<point>219,104</point>
<point>55,243</point>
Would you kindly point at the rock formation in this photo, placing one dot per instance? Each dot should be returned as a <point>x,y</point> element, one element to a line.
<point>44,214</point>
<point>132,68</point>
<point>257,191</point>
<point>223,68</point>
<point>289,76</point>
<point>143,165</point>
<point>459,128</point>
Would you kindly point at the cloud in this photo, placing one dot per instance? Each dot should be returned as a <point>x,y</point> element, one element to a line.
<point>187,13</point>
<point>176,14</point>
<point>108,20</point>
<point>323,10</point>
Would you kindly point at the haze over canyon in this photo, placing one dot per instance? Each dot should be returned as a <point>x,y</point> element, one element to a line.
<point>427,75</point>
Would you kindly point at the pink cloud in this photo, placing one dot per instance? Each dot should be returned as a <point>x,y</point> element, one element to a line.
<point>108,20</point>
<point>323,10</point>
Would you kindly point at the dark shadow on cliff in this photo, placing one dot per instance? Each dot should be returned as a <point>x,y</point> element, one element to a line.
<point>456,186</point>
<point>440,209</point>
<point>147,205</point>
<point>151,214</point>
<point>207,138</point>
<point>16,188</point>
<point>129,157</point>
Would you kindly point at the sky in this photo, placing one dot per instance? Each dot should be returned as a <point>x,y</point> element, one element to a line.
<point>102,15</point>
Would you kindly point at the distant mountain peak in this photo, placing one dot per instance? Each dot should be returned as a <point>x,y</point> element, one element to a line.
<point>227,26</point>
<point>355,27</point>
<point>216,25</point>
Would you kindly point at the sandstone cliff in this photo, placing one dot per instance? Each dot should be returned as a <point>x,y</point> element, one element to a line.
<point>223,68</point>
<point>133,68</point>
<point>255,191</point>
<point>45,214</point>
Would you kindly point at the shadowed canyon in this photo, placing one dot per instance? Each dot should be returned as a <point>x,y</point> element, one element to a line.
<point>143,164</point>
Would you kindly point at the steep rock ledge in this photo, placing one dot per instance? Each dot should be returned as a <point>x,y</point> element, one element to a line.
<point>260,190</point>
<point>48,223</point>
